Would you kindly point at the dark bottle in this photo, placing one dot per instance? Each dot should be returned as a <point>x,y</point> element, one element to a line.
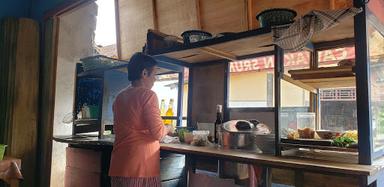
<point>218,122</point>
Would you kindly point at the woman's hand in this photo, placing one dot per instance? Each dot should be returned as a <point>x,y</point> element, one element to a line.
<point>170,130</point>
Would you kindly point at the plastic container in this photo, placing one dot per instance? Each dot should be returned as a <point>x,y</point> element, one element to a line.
<point>200,138</point>
<point>306,120</point>
<point>2,151</point>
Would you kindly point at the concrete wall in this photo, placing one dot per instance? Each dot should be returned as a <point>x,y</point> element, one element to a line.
<point>75,42</point>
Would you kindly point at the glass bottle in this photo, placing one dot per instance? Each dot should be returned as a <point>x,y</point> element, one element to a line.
<point>162,107</point>
<point>169,113</point>
<point>218,122</point>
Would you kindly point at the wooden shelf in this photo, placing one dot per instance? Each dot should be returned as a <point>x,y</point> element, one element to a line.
<point>314,144</point>
<point>329,148</point>
<point>238,45</point>
<point>330,77</point>
<point>230,47</point>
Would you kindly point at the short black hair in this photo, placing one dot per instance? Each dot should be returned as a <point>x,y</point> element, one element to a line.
<point>138,63</point>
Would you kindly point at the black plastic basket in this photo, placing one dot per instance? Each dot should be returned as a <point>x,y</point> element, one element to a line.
<point>192,36</point>
<point>276,16</point>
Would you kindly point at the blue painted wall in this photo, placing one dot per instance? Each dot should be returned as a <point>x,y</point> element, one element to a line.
<point>15,8</point>
<point>34,9</point>
<point>40,7</point>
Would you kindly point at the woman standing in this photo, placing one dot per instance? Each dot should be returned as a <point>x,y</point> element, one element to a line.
<point>135,159</point>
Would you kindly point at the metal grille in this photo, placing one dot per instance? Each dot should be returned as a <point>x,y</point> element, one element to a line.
<point>339,94</point>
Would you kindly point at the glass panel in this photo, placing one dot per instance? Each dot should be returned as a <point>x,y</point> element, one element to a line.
<point>336,56</point>
<point>376,53</point>
<point>295,100</point>
<point>292,95</point>
<point>377,8</point>
<point>251,82</point>
<point>166,88</point>
<point>338,109</point>
<point>296,60</point>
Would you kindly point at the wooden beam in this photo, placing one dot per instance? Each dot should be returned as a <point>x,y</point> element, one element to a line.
<point>198,14</point>
<point>332,4</point>
<point>215,52</point>
<point>251,14</point>
<point>299,84</point>
<point>155,17</point>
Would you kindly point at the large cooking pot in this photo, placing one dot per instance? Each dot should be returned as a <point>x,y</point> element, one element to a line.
<point>240,134</point>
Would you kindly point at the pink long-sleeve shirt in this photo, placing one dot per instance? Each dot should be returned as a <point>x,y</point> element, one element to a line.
<point>138,128</point>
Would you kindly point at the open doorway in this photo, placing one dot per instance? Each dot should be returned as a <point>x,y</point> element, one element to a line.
<point>86,29</point>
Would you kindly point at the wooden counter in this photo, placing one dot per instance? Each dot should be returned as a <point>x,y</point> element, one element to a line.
<point>275,161</point>
<point>243,156</point>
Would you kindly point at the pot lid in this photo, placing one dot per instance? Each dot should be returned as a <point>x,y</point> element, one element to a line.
<point>239,126</point>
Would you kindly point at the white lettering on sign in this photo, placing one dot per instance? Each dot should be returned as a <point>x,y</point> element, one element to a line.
<point>297,59</point>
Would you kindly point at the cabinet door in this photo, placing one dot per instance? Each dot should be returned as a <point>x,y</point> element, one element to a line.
<point>223,15</point>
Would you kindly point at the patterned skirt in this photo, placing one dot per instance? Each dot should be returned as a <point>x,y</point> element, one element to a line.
<point>135,182</point>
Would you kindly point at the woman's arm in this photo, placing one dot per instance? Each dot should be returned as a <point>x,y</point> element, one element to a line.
<point>152,118</point>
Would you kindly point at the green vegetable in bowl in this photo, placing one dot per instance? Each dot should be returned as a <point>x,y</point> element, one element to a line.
<point>180,133</point>
<point>343,141</point>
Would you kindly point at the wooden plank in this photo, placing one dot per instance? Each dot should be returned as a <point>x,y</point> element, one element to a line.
<point>250,13</point>
<point>218,53</point>
<point>250,42</point>
<point>192,56</point>
<point>330,82</point>
<point>343,30</point>
<point>20,90</point>
<point>283,176</point>
<point>320,147</point>
<point>324,72</point>
<point>176,16</point>
<point>247,46</point>
<point>299,84</point>
<point>317,180</point>
<point>268,160</point>
<point>276,161</point>
<point>198,14</point>
<point>224,16</point>
<point>135,18</point>
<point>47,98</point>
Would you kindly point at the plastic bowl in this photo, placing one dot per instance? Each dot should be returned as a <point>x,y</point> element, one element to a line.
<point>192,36</point>
<point>276,16</point>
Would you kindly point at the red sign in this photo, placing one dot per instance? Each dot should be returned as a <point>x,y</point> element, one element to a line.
<point>297,59</point>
